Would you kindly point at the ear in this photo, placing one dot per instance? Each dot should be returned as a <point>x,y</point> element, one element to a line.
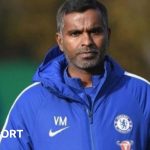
<point>59,40</point>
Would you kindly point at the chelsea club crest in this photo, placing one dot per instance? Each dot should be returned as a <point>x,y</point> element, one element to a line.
<point>123,124</point>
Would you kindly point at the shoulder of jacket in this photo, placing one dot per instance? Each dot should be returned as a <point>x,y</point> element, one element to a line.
<point>27,96</point>
<point>140,88</point>
<point>29,88</point>
<point>138,79</point>
<point>136,85</point>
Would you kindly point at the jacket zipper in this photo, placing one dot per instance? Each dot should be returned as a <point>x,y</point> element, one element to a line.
<point>89,112</point>
<point>90,118</point>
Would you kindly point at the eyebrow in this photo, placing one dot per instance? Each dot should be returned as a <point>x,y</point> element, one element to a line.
<point>89,30</point>
<point>96,28</point>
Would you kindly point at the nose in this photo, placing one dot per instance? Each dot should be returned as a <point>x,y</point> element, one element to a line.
<point>87,40</point>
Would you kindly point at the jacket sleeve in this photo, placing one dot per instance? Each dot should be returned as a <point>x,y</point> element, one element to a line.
<point>145,103</point>
<point>18,128</point>
<point>14,135</point>
<point>148,97</point>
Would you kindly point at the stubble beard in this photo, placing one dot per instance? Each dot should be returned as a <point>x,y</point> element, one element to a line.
<point>87,64</point>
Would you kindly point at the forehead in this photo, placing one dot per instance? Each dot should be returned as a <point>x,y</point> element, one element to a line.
<point>88,18</point>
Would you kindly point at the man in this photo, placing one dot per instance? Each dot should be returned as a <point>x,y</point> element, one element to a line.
<point>81,98</point>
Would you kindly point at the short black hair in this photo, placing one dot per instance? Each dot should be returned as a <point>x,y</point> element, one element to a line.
<point>70,6</point>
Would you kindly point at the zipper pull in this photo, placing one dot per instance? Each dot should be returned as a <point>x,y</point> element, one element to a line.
<point>90,115</point>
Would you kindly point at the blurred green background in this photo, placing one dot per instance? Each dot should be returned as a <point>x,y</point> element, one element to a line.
<point>27,30</point>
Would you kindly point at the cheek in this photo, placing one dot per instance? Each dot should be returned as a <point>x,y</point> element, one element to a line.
<point>70,46</point>
<point>68,49</point>
<point>100,41</point>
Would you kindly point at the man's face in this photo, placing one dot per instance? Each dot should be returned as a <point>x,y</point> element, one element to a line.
<point>83,39</point>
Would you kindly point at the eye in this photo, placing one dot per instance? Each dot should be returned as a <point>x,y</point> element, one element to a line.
<point>97,31</point>
<point>75,33</point>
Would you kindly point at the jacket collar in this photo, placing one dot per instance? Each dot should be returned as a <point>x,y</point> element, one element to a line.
<point>50,73</point>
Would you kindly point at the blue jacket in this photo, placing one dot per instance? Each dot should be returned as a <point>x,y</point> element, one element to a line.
<point>50,115</point>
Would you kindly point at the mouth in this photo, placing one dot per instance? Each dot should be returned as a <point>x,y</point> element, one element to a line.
<point>88,55</point>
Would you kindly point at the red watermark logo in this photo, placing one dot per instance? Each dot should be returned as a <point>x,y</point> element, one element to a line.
<point>125,145</point>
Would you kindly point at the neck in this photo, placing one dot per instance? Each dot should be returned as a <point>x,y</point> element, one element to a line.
<point>85,75</point>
